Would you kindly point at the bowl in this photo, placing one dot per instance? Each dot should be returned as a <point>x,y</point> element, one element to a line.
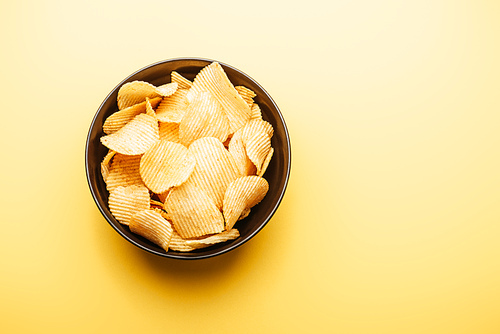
<point>277,173</point>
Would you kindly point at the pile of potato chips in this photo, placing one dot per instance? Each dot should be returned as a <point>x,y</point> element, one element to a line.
<point>186,159</point>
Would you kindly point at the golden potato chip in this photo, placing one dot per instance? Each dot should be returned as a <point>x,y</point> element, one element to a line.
<point>149,108</point>
<point>177,243</point>
<point>172,108</point>
<point>213,79</point>
<point>124,202</point>
<point>165,165</point>
<point>167,89</point>
<point>257,148</point>
<point>256,112</point>
<point>135,92</point>
<point>215,168</point>
<point>105,164</point>
<point>182,82</point>
<point>169,131</point>
<point>152,226</point>
<point>124,171</point>
<point>244,214</point>
<point>243,193</point>
<point>266,162</point>
<point>204,118</point>
<point>237,148</point>
<point>213,239</point>
<point>257,125</point>
<point>118,119</point>
<point>246,93</point>
<point>136,137</point>
<point>193,212</point>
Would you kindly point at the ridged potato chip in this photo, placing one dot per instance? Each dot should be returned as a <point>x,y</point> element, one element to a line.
<point>257,148</point>
<point>182,82</point>
<point>242,194</point>
<point>237,148</point>
<point>169,131</point>
<point>257,125</point>
<point>167,89</point>
<point>136,137</point>
<point>193,212</point>
<point>204,118</point>
<point>172,108</point>
<point>247,94</point>
<point>178,244</point>
<point>256,112</point>
<point>166,164</point>
<point>124,202</point>
<point>118,119</point>
<point>215,168</point>
<point>124,171</point>
<point>135,92</point>
<point>266,162</point>
<point>213,79</point>
<point>152,226</point>
<point>105,164</point>
<point>213,239</point>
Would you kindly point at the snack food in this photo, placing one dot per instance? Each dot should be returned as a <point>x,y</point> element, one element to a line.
<point>186,159</point>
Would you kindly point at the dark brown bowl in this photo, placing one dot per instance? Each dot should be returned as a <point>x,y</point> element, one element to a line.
<point>277,173</point>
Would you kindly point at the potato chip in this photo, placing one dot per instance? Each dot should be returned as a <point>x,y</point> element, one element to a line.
<point>152,226</point>
<point>257,148</point>
<point>172,108</point>
<point>237,148</point>
<point>182,82</point>
<point>243,193</point>
<point>244,214</point>
<point>124,171</point>
<point>266,162</point>
<point>167,89</point>
<point>213,79</point>
<point>135,92</point>
<point>124,202</point>
<point>213,239</point>
<point>204,118</point>
<point>215,168</point>
<point>246,93</point>
<point>257,125</point>
<point>169,131</point>
<point>193,212</point>
<point>118,119</point>
<point>177,243</point>
<point>105,164</point>
<point>149,108</point>
<point>165,165</point>
<point>136,137</point>
<point>256,112</point>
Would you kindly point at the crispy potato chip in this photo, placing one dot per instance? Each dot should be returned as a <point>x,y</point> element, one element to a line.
<point>257,148</point>
<point>182,82</point>
<point>172,108</point>
<point>124,171</point>
<point>169,131</point>
<point>105,164</point>
<point>135,92</point>
<point>165,165</point>
<point>177,243</point>
<point>204,118</point>
<point>167,89</point>
<point>213,79</point>
<point>215,168</point>
<point>244,214</point>
<point>193,212</point>
<point>149,108</point>
<point>136,137</point>
<point>118,119</point>
<point>246,93</point>
<point>237,148</point>
<point>152,226</point>
<point>256,112</point>
<point>214,239</point>
<point>257,125</point>
<point>124,202</point>
<point>266,162</point>
<point>243,193</point>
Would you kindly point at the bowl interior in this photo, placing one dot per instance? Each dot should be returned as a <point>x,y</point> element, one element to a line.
<point>277,173</point>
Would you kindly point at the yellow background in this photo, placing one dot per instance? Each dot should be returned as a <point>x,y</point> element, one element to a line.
<point>391,221</point>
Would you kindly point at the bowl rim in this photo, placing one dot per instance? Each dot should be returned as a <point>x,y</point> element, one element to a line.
<point>180,255</point>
